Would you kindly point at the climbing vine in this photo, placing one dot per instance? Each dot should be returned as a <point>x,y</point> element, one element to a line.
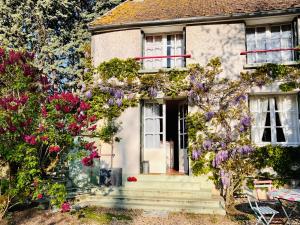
<point>219,130</point>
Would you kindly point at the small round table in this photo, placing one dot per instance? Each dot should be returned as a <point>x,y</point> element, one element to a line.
<point>291,195</point>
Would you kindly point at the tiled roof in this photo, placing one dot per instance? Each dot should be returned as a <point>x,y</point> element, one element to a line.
<point>133,11</point>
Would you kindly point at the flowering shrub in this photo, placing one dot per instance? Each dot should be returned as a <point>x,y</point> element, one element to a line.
<point>37,130</point>
<point>65,207</point>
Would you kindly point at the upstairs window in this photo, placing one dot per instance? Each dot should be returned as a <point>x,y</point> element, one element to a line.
<point>159,47</point>
<point>273,37</point>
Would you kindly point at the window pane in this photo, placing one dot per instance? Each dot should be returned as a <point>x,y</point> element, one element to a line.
<point>148,110</point>
<point>287,31</point>
<point>280,135</point>
<point>149,126</point>
<point>149,140</point>
<point>149,39</point>
<point>287,42</point>
<point>261,44</point>
<point>267,135</point>
<point>157,110</point>
<point>278,122</point>
<point>185,141</point>
<point>250,35</point>
<point>268,120</point>
<point>181,142</point>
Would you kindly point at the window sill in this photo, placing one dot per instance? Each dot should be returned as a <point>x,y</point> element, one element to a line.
<point>162,70</point>
<point>256,65</point>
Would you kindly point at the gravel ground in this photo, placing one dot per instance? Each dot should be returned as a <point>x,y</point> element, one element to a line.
<point>240,215</point>
<point>137,217</point>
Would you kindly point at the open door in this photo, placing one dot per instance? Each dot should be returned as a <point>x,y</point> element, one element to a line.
<point>183,138</point>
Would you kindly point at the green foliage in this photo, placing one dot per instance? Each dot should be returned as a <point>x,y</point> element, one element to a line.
<point>92,215</point>
<point>55,30</point>
<point>289,86</point>
<point>274,71</point>
<point>284,160</point>
<point>203,166</point>
<point>195,123</point>
<point>57,193</point>
<point>108,131</point>
<point>123,70</point>
<point>37,131</point>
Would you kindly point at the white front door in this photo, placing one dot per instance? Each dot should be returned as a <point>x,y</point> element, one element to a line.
<point>183,138</point>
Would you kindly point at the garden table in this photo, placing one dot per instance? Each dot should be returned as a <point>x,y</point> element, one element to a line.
<point>290,195</point>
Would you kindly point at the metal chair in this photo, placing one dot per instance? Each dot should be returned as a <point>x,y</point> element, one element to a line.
<point>261,184</point>
<point>264,214</point>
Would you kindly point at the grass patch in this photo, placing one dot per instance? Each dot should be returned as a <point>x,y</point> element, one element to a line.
<point>93,215</point>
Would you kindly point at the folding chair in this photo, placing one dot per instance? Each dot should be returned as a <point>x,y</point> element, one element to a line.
<point>260,184</point>
<point>264,214</point>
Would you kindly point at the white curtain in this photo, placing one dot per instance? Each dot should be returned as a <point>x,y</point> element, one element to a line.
<point>264,102</point>
<point>288,115</point>
<point>258,108</point>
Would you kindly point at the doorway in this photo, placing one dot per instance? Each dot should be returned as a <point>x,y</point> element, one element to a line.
<point>176,136</point>
<point>165,136</point>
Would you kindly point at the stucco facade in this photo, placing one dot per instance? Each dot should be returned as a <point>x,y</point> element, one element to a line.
<point>119,44</point>
<point>203,42</point>
<point>226,41</point>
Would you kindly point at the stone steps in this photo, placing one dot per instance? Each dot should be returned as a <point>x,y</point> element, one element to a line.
<point>150,192</point>
<point>205,207</point>
<point>158,192</point>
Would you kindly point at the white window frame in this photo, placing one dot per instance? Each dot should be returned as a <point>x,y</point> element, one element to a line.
<point>164,46</point>
<point>273,122</point>
<point>268,39</point>
<point>162,122</point>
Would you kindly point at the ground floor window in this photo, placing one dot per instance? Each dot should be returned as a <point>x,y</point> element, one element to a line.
<point>275,119</point>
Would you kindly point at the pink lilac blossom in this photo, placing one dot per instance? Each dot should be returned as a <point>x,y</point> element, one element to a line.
<point>30,139</point>
<point>65,207</point>
<point>54,148</point>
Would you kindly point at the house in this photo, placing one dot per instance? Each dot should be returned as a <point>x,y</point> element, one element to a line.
<point>168,34</point>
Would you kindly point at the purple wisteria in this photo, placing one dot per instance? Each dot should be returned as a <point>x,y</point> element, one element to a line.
<point>225,178</point>
<point>152,92</point>
<point>221,157</point>
<point>207,144</point>
<point>209,116</point>
<point>196,154</point>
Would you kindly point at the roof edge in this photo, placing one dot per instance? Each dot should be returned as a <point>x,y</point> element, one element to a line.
<point>189,20</point>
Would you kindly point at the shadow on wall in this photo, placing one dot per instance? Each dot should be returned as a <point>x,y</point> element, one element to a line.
<point>220,40</point>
